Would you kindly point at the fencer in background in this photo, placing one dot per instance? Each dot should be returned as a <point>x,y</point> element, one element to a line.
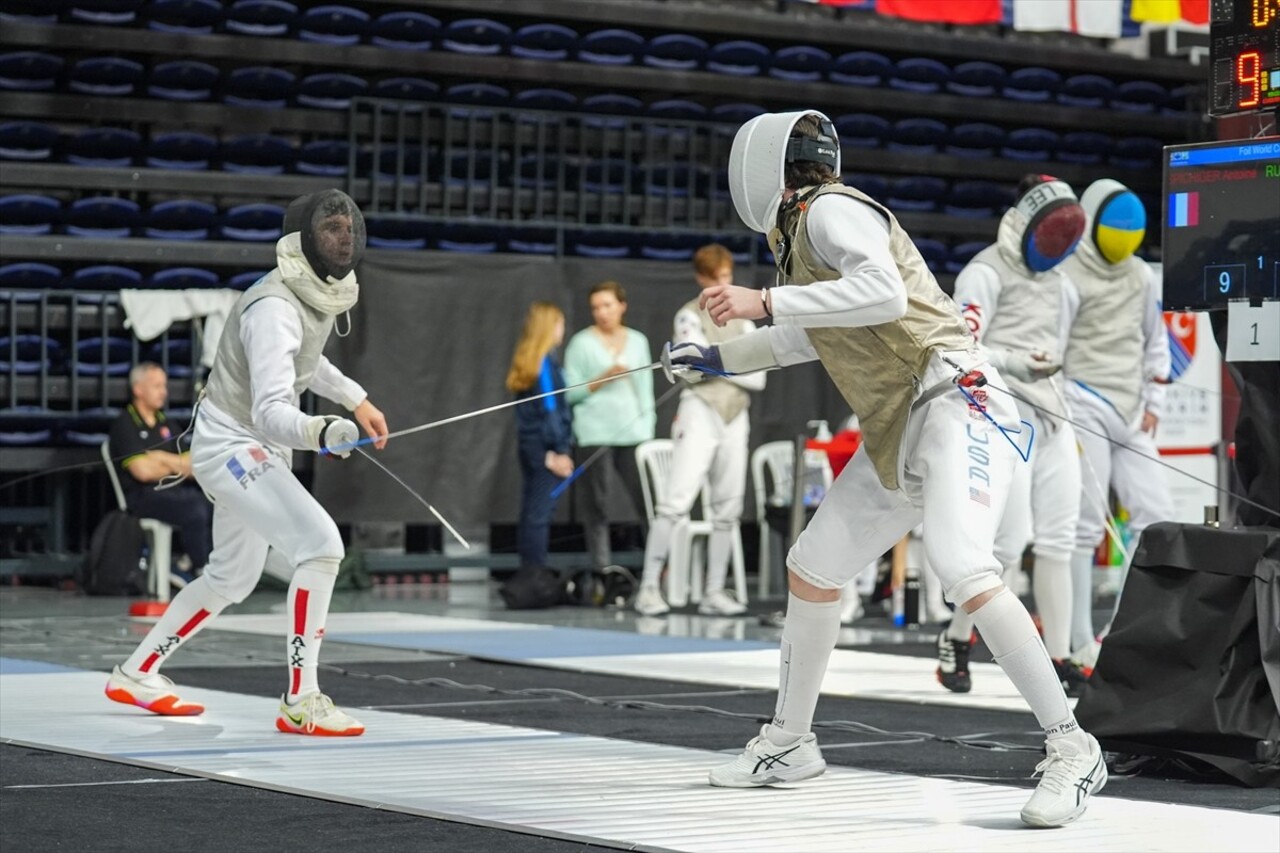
<point>1117,360</point>
<point>247,425</point>
<point>934,442</point>
<point>710,435</point>
<point>1013,298</point>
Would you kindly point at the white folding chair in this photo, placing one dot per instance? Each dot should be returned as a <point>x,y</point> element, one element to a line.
<point>159,534</point>
<point>772,469</point>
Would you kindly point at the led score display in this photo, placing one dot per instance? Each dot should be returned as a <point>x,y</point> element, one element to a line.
<point>1244,51</point>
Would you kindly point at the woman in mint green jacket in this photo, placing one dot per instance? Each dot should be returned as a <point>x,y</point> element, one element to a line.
<point>616,414</point>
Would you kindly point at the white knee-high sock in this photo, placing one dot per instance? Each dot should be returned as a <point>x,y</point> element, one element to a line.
<point>808,637</point>
<point>309,596</point>
<point>1052,585</point>
<point>1011,636</point>
<point>719,550</point>
<point>657,546</point>
<point>190,610</point>
<point>1081,600</point>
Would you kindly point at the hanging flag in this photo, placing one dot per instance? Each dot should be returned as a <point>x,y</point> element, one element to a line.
<point>1096,18</point>
<point>1168,11</point>
<point>943,11</point>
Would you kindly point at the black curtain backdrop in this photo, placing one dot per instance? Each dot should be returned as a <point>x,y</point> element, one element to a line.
<point>432,337</point>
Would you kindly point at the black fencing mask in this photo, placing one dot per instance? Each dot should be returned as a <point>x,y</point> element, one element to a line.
<point>332,229</point>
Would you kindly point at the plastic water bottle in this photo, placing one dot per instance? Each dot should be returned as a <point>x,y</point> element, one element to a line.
<point>817,467</point>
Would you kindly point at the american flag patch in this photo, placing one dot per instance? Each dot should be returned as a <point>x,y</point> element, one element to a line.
<point>979,496</point>
<point>257,455</point>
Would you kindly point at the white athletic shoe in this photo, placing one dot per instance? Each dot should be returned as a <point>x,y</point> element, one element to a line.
<point>153,692</point>
<point>1069,778</point>
<point>851,609</point>
<point>721,603</point>
<point>649,602</point>
<point>315,714</point>
<point>764,763</point>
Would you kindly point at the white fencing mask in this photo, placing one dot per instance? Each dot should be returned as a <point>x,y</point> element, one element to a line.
<point>760,153</point>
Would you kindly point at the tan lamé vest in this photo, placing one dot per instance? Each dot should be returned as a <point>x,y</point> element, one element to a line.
<point>878,369</point>
<point>727,399</point>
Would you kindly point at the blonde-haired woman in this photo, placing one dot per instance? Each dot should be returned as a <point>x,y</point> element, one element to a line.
<point>544,427</point>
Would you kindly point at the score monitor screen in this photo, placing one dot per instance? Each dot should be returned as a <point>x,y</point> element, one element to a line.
<point>1244,55</point>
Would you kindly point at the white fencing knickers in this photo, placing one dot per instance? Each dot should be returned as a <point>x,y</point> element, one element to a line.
<point>1044,499</point>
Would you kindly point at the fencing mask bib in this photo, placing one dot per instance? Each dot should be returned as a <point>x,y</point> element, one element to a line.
<point>1055,224</point>
<point>332,232</point>
<point>1117,219</point>
<point>757,162</point>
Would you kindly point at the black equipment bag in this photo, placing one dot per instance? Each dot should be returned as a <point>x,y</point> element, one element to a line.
<point>533,588</point>
<point>114,563</point>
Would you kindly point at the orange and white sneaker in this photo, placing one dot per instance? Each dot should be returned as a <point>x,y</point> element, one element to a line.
<point>315,714</point>
<point>153,692</point>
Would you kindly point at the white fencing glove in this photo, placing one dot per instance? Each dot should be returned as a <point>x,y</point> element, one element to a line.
<point>1030,366</point>
<point>690,362</point>
<point>337,436</point>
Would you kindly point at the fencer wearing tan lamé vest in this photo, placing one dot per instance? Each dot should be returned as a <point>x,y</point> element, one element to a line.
<point>727,398</point>
<point>878,369</point>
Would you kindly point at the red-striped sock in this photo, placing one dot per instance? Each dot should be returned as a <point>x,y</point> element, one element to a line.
<point>190,610</point>
<point>309,596</point>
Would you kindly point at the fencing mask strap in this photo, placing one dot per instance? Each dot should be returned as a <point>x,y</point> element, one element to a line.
<point>1117,219</point>
<point>757,163</point>
<point>1055,222</point>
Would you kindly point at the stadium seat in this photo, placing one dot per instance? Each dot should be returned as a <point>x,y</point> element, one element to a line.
<point>739,58</point>
<point>102,218</point>
<point>28,354</point>
<point>476,36</point>
<point>551,42</point>
<point>861,68</point>
<point>173,354</point>
<point>104,355</point>
<point>27,214</point>
<point>194,17</point>
<point>934,252</point>
<point>873,185</point>
<point>386,232</point>
<point>407,89</point>
<point>26,426</point>
<point>472,239</point>
<point>676,109</point>
<point>1180,99</point>
<point>183,278</point>
<point>1085,90</point>
<point>245,280</point>
<point>962,254</point>
<point>1139,96</point>
<point>253,222</point>
<point>29,71</point>
<point>675,52</point>
<point>104,277</point>
<point>976,199</point>
<point>532,241</point>
<point>668,246</point>
<point>330,90</point>
<point>104,147</point>
<point>919,74</point>
<point>862,130</point>
<point>106,75</point>
<point>180,219</point>
<point>917,135</point>
<point>736,114</point>
<point>182,80</point>
<point>332,24</point>
<point>974,139</point>
<point>601,244</point>
<point>1030,143</point>
<point>404,30</point>
<point>613,104</point>
<point>1031,84</point>
<point>30,275</point>
<point>545,99</point>
<point>610,47</point>
<point>30,141</point>
<point>258,153</point>
<point>800,63</point>
<point>673,179</point>
<point>32,11</point>
<point>976,79</point>
<point>1136,152</point>
<point>260,18</point>
<point>916,194</point>
<point>1084,147</point>
<point>258,86</point>
<point>183,149</point>
<point>112,12</point>
<point>606,176</point>
<point>327,157</point>
<point>408,161</point>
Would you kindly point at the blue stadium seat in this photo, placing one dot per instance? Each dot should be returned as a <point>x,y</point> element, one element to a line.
<point>104,147</point>
<point>31,141</point>
<point>28,353</point>
<point>385,232</point>
<point>194,17</point>
<point>106,355</point>
<point>601,244</point>
<point>974,139</point>
<point>477,36</point>
<point>182,80</point>
<point>472,239</point>
<point>535,171</point>
<point>104,277</point>
<point>258,86</point>
<point>666,246</point>
<point>862,130</point>
<point>551,42</point>
<point>407,89</point>
<point>253,223</point>
<point>112,12</point>
<point>800,63</point>
<point>739,58</point>
<point>30,275</point>
<point>962,254</point>
<point>1084,147</point>
<point>261,154</point>
<point>736,114</point>
<point>613,104</point>
<point>332,24</point>
<point>861,68</point>
<point>175,354</point>
<point>183,278</point>
<point>106,75</point>
<point>1136,152</point>
<point>182,149</point>
<point>180,219</point>
<point>327,157</point>
<point>102,218</point>
<point>873,185</point>
<point>605,176</point>
<point>1085,90</point>
<point>676,109</point>
<point>610,47</point>
<point>675,52</point>
<point>478,166</point>
<point>26,426</point>
<point>976,79</point>
<point>245,280</point>
<point>91,427</point>
<point>260,18</point>
<point>545,99</point>
<point>918,135</point>
<point>404,30</point>
<point>934,252</point>
<point>330,90</point>
<point>29,71</point>
<point>919,74</point>
<point>1180,98</point>
<point>390,163</point>
<point>477,95</point>
<point>1030,143</point>
<point>676,179</point>
<point>28,214</point>
<point>976,199</point>
<point>916,194</point>
<point>32,11</point>
<point>532,241</point>
<point>1139,96</point>
<point>1031,84</point>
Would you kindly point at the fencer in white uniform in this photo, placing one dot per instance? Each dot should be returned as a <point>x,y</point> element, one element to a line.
<point>710,435</point>
<point>247,425</point>
<point>1013,297</point>
<point>1117,361</point>
<point>934,442</point>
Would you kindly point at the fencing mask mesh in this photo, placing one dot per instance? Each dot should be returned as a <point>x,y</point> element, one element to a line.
<point>1118,220</point>
<point>1055,222</point>
<point>332,229</point>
